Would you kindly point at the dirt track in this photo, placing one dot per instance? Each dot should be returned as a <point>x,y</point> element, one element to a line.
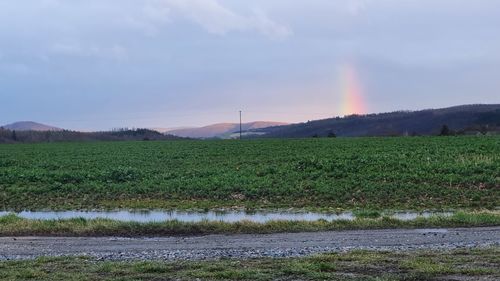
<point>246,245</point>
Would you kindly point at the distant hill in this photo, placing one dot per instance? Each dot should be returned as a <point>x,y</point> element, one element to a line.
<point>165,130</point>
<point>465,119</point>
<point>221,130</point>
<point>30,126</point>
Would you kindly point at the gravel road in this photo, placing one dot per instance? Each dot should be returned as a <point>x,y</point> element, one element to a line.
<point>246,245</point>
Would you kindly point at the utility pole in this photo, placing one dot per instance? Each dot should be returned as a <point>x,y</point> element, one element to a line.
<point>240,124</point>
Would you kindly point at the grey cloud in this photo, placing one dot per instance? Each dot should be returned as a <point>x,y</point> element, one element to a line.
<point>115,52</point>
<point>15,68</point>
<point>217,19</point>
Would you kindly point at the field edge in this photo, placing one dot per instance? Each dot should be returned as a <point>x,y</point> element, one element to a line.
<point>12,225</point>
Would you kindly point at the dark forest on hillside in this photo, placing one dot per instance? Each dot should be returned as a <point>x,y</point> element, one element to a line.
<point>460,120</point>
<point>10,136</point>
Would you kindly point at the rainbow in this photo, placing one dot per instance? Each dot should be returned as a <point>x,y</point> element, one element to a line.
<point>351,91</point>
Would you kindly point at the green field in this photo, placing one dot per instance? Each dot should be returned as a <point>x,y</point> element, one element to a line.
<point>343,173</point>
<point>476,264</point>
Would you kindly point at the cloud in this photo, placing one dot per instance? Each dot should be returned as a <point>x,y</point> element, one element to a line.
<point>270,28</point>
<point>15,68</point>
<point>355,7</point>
<point>115,52</point>
<point>217,19</point>
<point>49,3</point>
<point>157,13</point>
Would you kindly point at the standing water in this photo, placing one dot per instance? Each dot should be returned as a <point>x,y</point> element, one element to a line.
<point>229,216</point>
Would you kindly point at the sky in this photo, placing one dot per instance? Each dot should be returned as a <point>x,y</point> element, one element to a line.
<point>102,64</point>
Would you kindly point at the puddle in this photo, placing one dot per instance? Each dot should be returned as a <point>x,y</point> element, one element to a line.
<point>229,216</point>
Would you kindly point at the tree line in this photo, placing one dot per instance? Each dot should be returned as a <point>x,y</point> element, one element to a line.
<point>125,134</point>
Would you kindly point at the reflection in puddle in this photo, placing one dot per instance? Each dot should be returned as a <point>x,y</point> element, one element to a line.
<point>229,216</point>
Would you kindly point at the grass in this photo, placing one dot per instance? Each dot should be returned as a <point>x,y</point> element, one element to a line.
<point>347,173</point>
<point>12,225</point>
<point>471,264</point>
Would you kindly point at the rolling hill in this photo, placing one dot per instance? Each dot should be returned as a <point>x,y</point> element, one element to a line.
<point>465,118</point>
<point>30,126</point>
<point>221,130</point>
